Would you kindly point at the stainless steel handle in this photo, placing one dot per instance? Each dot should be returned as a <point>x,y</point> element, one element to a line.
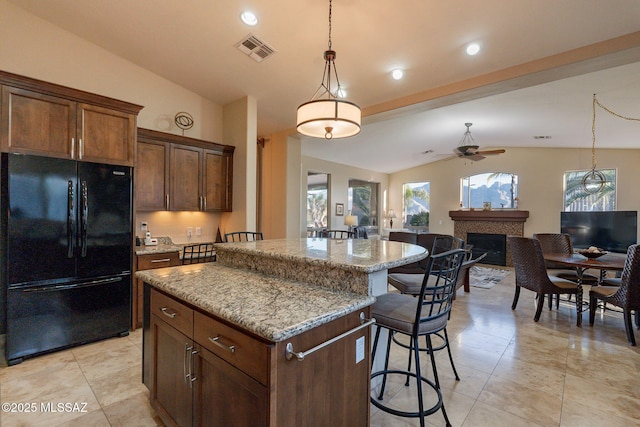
<point>185,370</point>
<point>153,261</point>
<point>80,148</point>
<point>204,203</point>
<point>191,373</point>
<point>231,348</point>
<point>73,148</point>
<point>289,353</point>
<point>166,198</point>
<point>166,312</point>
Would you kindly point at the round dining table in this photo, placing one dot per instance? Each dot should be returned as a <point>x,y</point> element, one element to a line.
<point>581,263</point>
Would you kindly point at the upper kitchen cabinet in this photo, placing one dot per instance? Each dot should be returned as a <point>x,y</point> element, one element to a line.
<point>56,121</point>
<point>178,173</point>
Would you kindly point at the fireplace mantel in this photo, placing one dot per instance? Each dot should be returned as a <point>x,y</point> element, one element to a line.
<point>493,215</point>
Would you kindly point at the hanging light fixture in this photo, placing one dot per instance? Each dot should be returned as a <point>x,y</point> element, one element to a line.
<point>594,180</point>
<point>327,116</point>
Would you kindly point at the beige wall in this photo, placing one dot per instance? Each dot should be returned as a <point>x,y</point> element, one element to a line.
<point>339,188</point>
<point>540,182</point>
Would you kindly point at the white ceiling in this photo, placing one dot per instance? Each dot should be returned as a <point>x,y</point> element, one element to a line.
<point>192,43</point>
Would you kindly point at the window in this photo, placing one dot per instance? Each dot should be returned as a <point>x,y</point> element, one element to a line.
<point>415,204</point>
<point>317,204</point>
<point>498,188</point>
<point>576,199</point>
<point>363,203</point>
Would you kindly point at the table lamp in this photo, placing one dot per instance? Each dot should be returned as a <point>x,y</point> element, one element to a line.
<point>391,214</point>
<point>351,221</point>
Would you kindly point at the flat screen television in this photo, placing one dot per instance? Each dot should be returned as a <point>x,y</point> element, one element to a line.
<point>612,231</point>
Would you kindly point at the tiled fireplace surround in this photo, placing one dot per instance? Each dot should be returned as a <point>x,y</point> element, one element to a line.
<point>507,222</point>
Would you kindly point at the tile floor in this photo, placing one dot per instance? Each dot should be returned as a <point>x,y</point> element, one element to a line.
<point>514,372</point>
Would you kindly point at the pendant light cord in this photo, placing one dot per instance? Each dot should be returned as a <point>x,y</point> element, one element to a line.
<point>593,126</point>
<point>330,24</point>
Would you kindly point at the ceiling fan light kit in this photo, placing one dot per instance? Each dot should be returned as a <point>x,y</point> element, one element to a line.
<point>329,117</point>
<point>467,148</point>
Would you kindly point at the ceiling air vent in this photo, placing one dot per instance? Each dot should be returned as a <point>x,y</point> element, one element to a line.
<point>255,48</point>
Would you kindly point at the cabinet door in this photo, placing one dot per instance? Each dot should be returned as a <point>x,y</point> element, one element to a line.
<point>186,172</point>
<point>171,390</point>
<point>217,181</point>
<point>33,123</point>
<point>152,176</point>
<point>224,396</point>
<point>106,136</point>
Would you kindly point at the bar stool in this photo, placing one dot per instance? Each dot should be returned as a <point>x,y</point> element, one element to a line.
<point>425,315</point>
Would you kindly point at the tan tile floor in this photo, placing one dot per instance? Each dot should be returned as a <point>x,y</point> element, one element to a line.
<point>514,372</point>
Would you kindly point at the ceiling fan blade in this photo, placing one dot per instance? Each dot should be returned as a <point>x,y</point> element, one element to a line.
<point>475,156</point>
<point>491,152</point>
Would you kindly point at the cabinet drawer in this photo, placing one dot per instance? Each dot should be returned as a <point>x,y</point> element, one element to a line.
<point>172,312</point>
<point>168,259</point>
<point>242,351</point>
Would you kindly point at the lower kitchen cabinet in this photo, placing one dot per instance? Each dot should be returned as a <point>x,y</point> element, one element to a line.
<point>203,371</point>
<point>147,262</point>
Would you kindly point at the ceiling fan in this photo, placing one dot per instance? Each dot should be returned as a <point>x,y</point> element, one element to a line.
<point>468,148</point>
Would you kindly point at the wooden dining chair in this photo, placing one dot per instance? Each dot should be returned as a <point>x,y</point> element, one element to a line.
<point>625,296</point>
<point>531,273</point>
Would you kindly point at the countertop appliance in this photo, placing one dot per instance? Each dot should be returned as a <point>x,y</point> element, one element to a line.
<point>66,253</point>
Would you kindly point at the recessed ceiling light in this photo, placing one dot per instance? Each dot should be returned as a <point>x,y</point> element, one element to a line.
<point>249,18</point>
<point>397,74</point>
<point>473,49</point>
<point>542,137</point>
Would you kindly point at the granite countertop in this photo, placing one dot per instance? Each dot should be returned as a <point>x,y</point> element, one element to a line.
<point>158,249</point>
<point>271,307</point>
<point>360,255</point>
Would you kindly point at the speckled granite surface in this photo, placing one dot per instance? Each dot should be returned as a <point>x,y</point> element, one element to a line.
<point>335,264</point>
<point>271,307</point>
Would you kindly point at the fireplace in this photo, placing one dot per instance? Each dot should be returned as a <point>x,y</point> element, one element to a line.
<point>494,245</point>
<point>506,222</point>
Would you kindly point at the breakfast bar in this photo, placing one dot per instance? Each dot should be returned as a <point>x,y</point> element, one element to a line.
<point>273,333</point>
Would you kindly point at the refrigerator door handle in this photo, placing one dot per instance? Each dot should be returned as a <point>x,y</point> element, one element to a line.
<point>52,288</point>
<point>84,212</point>
<point>70,219</point>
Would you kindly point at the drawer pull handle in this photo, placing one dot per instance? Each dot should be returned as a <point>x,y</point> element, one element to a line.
<point>231,348</point>
<point>166,312</point>
<point>289,353</point>
<point>160,260</point>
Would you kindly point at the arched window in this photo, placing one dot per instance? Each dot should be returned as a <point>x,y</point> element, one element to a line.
<point>498,190</point>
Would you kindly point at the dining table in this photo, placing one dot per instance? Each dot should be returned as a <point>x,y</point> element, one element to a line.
<point>581,263</point>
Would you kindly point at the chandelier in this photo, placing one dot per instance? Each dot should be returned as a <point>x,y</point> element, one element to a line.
<point>325,115</point>
<point>594,180</point>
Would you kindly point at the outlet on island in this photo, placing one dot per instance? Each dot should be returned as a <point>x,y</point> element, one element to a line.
<point>198,231</point>
<point>189,231</point>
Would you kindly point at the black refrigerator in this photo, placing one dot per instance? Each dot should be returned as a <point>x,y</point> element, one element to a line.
<point>66,253</point>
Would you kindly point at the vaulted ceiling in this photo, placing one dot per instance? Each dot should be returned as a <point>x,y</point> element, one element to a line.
<point>540,63</point>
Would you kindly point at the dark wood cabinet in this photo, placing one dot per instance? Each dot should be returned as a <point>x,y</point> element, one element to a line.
<point>147,262</point>
<point>232,378</point>
<point>55,121</point>
<point>177,173</point>
<point>152,176</point>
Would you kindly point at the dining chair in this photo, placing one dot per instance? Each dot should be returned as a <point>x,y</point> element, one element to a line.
<point>198,252</point>
<point>337,234</point>
<point>243,236</point>
<point>626,296</point>
<point>421,316</point>
<point>531,273</point>
<point>561,243</point>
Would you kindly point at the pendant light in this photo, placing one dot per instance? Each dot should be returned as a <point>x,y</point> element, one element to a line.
<point>594,180</point>
<point>327,116</point>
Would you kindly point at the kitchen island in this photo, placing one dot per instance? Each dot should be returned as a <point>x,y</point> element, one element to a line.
<point>249,340</point>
